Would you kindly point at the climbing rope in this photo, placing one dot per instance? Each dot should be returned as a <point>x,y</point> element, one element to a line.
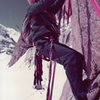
<point>50,90</point>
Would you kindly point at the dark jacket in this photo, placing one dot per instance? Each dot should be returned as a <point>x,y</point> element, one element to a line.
<point>41,25</point>
<point>44,24</point>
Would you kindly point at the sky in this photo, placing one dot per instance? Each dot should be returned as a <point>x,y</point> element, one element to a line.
<point>12,12</point>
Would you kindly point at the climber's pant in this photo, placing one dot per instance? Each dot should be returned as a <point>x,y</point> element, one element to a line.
<point>72,62</point>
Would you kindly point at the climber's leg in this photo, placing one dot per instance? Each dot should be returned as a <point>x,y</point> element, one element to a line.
<point>72,62</point>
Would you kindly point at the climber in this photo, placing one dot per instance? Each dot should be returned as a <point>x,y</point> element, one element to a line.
<point>41,14</point>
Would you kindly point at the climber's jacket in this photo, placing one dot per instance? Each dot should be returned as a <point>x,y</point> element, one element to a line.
<point>42,19</point>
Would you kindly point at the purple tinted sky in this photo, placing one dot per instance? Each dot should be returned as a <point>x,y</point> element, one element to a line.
<point>12,12</point>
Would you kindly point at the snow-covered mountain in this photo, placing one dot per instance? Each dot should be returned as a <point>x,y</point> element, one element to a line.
<point>8,39</point>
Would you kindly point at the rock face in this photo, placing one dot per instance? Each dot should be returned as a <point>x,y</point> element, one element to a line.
<point>86,37</point>
<point>66,33</point>
<point>86,34</point>
<point>20,50</point>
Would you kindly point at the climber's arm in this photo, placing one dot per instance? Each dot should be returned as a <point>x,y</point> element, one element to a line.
<point>56,6</point>
<point>43,5</point>
<point>39,6</point>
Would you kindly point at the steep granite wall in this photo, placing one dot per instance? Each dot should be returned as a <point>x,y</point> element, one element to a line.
<point>86,33</point>
<point>85,39</point>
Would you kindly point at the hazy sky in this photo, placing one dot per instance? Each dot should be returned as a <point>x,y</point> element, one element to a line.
<point>12,12</point>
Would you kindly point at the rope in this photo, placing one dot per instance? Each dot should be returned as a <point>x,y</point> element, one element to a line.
<point>50,91</point>
<point>50,97</point>
<point>64,12</point>
<point>69,12</point>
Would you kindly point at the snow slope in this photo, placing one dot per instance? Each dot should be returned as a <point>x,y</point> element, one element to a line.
<point>16,83</point>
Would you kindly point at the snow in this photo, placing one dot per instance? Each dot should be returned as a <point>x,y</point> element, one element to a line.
<point>12,32</point>
<point>16,83</point>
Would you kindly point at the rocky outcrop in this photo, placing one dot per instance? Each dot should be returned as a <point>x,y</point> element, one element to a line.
<point>86,39</point>
<point>86,34</point>
<point>20,50</point>
<point>66,33</point>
